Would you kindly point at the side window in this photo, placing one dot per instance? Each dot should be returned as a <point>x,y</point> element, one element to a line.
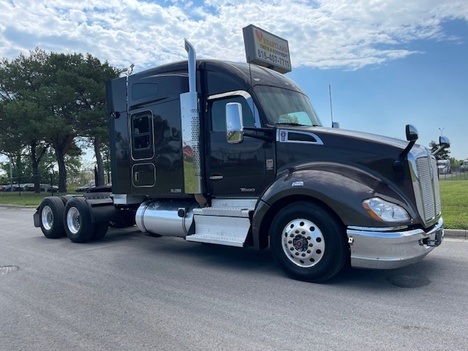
<point>218,113</point>
<point>142,135</point>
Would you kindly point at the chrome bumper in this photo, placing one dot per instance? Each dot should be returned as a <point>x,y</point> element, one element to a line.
<point>379,249</point>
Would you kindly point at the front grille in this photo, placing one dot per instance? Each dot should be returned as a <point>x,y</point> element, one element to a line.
<point>425,184</point>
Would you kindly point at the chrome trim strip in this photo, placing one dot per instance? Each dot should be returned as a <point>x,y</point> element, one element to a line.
<point>126,199</point>
<point>282,136</point>
<point>246,96</point>
<point>234,203</point>
<point>377,229</point>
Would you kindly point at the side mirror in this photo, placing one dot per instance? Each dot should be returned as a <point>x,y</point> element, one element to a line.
<point>411,136</point>
<point>411,133</point>
<point>234,123</point>
<point>444,141</point>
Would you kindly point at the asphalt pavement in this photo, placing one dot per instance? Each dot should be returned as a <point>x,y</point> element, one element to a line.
<point>132,292</point>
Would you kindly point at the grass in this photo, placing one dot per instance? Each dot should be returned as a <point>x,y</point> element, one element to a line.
<point>454,194</point>
<point>22,198</point>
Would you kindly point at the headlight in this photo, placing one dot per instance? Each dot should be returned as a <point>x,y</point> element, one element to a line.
<point>385,211</point>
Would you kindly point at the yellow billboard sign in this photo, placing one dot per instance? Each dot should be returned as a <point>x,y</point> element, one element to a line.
<point>265,49</point>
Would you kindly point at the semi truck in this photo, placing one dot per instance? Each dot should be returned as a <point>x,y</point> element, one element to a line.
<point>234,154</point>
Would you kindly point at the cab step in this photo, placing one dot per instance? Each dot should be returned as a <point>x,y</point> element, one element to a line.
<point>220,225</point>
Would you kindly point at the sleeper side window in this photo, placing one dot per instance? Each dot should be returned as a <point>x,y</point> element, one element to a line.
<point>142,135</point>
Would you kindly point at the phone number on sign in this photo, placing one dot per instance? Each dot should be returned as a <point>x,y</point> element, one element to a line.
<point>273,58</point>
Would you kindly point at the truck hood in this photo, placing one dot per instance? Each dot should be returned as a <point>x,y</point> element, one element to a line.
<point>299,145</point>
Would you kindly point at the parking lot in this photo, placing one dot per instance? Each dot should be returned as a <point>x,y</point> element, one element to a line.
<point>133,292</point>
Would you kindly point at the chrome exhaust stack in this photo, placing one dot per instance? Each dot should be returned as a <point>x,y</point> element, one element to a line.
<point>191,131</point>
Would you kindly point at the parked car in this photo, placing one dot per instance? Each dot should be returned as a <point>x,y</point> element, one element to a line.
<point>16,187</point>
<point>444,167</point>
<point>28,187</point>
<point>44,188</point>
<point>49,188</point>
<point>464,166</point>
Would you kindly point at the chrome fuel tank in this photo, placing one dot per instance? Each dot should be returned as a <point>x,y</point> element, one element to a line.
<point>167,218</point>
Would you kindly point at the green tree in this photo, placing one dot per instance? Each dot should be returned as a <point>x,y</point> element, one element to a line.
<point>21,111</point>
<point>50,99</point>
<point>77,105</point>
<point>93,120</point>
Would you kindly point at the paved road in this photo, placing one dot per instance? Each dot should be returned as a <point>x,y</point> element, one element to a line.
<point>132,292</point>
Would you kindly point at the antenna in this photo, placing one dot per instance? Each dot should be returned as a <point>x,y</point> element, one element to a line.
<point>331,104</point>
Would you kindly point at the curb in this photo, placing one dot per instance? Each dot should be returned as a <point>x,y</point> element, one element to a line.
<point>456,233</point>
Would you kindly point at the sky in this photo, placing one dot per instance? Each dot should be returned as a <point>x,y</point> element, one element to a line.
<point>387,63</point>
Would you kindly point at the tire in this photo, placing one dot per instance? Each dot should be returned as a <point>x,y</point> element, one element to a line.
<point>65,198</point>
<point>308,242</point>
<point>51,217</point>
<point>77,219</point>
<point>100,230</point>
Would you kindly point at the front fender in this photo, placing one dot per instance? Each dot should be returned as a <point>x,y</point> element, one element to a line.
<point>340,188</point>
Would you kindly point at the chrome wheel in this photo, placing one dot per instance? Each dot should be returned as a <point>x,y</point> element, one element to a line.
<point>299,233</point>
<point>78,224</point>
<point>47,217</point>
<point>73,220</point>
<point>303,242</point>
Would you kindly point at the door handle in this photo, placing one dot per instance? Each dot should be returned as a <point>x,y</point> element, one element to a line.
<point>216,177</point>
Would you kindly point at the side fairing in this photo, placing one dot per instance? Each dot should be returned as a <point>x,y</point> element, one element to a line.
<point>118,134</point>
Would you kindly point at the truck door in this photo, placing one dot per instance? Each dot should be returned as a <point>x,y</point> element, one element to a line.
<point>234,169</point>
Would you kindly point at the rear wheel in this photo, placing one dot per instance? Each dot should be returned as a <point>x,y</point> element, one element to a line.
<point>308,242</point>
<point>51,217</point>
<point>77,220</point>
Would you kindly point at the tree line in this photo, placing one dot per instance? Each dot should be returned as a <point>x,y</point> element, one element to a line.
<point>48,103</point>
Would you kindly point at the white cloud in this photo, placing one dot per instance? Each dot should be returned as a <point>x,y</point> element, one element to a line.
<point>348,34</point>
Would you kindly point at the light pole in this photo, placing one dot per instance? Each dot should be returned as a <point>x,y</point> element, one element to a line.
<point>441,130</point>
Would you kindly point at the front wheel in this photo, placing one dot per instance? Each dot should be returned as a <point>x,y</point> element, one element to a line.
<point>77,218</point>
<point>308,242</point>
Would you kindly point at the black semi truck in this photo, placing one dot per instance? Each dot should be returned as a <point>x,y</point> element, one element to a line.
<point>234,154</point>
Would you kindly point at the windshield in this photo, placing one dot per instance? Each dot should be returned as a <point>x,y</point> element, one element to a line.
<point>284,106</point>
